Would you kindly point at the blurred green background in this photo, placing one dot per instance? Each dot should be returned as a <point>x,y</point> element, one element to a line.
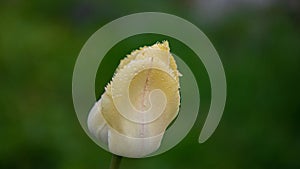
<point>258,42</point>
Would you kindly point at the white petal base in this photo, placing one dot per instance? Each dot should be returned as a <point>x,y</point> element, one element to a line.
<point>132,147</point>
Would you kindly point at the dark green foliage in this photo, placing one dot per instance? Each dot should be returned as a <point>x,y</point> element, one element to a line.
<point>39,44</point>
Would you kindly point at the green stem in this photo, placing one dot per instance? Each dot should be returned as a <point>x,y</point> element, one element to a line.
<point>115,161</point>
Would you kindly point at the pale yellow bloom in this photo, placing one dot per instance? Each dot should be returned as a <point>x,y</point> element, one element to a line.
<point>139,103</point>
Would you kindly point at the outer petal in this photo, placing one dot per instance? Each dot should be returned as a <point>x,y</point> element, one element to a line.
<point>97,124</point>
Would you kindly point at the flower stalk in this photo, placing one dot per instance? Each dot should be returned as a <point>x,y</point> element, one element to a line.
<point>115,161</point>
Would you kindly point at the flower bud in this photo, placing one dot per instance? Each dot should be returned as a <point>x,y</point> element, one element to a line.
<point>139,103</point>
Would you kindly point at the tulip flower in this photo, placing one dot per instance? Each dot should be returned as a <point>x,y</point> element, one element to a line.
<point>139,103</point>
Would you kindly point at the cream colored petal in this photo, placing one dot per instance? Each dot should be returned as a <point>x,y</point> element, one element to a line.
<point>120,91</point>
<point>162,55</point>
<point>133,129</point>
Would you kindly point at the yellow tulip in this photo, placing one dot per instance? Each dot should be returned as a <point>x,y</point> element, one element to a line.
<point>139,103</point>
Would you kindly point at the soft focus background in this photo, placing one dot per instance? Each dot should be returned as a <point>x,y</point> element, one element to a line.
<point>258,42</point>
